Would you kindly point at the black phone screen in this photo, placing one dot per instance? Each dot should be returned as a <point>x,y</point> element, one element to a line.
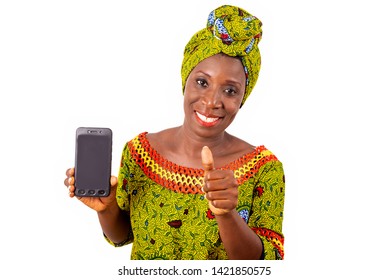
<point>93,161</point>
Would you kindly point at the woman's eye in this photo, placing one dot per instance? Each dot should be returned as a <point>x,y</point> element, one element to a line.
<point>202,82</point>
<point>231,91</point>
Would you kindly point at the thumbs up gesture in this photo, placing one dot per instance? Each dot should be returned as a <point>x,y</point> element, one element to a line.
<point>220,186</point>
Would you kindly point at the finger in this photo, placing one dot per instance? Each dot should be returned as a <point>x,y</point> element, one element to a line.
<point>222,195</point>
<point>71,190</point>
<point>210,196</point>
<point>218,174</point>
<point>219,195</point>
<point>223,204</point>
<point>219,180</point>
<point>207,159</point>
<point>215,185</point>
<point>68,181</point>
<point>71,194</point>
<point>70,172</point>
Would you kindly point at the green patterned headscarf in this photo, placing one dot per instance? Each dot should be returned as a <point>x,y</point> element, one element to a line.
<point>230,30</point>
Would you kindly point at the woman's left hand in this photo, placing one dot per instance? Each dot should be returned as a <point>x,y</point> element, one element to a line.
<point>220,186</point>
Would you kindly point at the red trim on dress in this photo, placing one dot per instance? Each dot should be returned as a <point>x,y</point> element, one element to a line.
<point>188,185</point>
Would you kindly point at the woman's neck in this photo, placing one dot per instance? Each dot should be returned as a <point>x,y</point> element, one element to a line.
<point>182,147</point>
<point>194,142</point>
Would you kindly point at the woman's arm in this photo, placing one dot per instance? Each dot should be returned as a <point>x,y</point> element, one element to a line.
<point>262,235</point>
<point>115,224</point>
<point>221,190</point>
<point>240,242</point>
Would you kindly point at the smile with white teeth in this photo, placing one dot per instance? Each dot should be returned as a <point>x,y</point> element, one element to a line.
<point>206,119</point>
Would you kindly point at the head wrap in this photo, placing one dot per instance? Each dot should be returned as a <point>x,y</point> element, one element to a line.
<point>230,30</point>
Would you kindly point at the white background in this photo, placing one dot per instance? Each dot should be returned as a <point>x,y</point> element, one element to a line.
<point>319,105</point>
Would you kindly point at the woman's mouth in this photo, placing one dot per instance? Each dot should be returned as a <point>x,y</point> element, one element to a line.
<point>207,121</point>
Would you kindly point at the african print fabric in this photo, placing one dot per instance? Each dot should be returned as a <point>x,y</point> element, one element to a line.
<point>169,214</point>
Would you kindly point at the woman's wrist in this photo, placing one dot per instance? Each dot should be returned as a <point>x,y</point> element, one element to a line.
<point>226,215</point>
<point>111,209</point>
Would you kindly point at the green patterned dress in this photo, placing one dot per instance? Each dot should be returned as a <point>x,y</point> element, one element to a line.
<point>169,214</point>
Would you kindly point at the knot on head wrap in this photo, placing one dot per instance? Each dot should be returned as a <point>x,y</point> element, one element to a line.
<point>232,31</point>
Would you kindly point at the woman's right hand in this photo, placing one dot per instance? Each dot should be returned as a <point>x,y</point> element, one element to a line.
<point>98,204</point>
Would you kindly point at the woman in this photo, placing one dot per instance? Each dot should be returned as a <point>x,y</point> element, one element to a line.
<point>195,191</point>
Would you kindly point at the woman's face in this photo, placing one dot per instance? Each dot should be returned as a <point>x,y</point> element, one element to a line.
<point>213,94</point>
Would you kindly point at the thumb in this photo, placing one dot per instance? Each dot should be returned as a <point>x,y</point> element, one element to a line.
<point>207,159</point>
<point>113,180</point>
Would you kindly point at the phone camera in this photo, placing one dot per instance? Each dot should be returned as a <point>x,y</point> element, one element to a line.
<point>91,192</point>
<point>101,192</point>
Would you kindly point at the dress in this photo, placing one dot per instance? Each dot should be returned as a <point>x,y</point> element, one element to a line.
<point>169,214</point>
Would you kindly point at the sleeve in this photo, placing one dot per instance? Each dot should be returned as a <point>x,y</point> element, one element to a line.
<point>267,209</point>
<point>122,192</point>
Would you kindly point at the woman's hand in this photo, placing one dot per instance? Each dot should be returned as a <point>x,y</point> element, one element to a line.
<point>220,186</point>
<point>98,204</point>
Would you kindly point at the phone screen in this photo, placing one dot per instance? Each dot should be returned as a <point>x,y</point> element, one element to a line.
<point>93,161</point>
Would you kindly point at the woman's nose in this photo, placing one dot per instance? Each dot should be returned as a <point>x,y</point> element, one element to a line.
<point>212,98</point>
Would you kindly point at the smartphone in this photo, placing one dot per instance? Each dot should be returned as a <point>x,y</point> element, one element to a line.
<point>93,161</point>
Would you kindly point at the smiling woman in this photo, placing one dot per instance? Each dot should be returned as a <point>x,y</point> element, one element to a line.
<point>213,93</point>
<point>195,191</point>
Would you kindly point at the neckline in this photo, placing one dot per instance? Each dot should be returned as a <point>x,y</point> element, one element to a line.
<point>162,161</point>
<point>188,180</point>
